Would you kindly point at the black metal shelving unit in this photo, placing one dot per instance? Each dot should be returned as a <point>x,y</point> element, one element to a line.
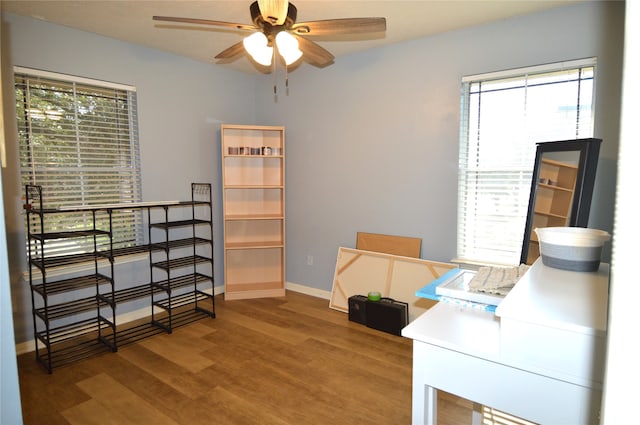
<point>65,330</point>
<point>182,260</point>
<point>75,317</point>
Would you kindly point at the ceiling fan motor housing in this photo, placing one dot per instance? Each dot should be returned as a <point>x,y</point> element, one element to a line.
<point>259,21</point>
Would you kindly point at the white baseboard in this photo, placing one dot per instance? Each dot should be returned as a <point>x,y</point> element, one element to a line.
<point>307,290</point>
<point>25,347</point>
<point>141,313</point>
<point>29,346</point>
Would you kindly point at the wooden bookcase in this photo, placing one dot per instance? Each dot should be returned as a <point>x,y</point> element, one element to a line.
<point>253,192</point>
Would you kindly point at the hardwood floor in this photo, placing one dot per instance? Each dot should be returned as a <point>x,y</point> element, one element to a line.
<point>288,360</point>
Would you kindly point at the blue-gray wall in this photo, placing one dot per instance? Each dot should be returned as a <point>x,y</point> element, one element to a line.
<point>181,104</point>
<point>372,141</point>
<point>10,406</point>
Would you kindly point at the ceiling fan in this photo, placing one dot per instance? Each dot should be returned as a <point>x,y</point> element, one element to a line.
<point>275,29</point>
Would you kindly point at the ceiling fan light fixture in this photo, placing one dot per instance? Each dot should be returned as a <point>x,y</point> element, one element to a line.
<point>288,47</point>
<point>257,45</point>
<point>274,11</point>
<point>272,18</point>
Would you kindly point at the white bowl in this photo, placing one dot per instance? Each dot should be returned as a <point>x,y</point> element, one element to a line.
<point>571,248</point>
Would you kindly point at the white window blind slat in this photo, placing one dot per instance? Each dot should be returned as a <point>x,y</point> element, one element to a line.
<point>78,140</point>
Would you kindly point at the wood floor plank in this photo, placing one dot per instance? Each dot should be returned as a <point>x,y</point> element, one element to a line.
<point>164,370</point>
<point>239,343</point>
<point>173,398</point>
<point>113,403</point>
<point>254,323</point>
<point>271,389</point>
<point>274,361</point>
<point>184,349</point>
<point>91,412</point>
<point>44,396</point>
<point>232,409</point>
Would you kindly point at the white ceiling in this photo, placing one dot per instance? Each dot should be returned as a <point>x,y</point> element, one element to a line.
<point>132,20</point>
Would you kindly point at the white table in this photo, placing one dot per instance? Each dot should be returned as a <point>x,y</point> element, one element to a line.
<point>538,357</point>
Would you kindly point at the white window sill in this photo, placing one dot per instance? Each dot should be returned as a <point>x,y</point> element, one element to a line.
<point>83,267</point>
<point>467,264</point>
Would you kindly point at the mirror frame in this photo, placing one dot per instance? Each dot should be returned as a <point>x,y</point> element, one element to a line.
<point>589,150</point>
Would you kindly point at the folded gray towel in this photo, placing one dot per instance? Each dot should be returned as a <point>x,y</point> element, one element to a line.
<point>497,280</point>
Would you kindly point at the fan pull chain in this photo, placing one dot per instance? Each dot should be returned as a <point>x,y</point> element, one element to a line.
<point>286,79</point>
<point>275,77</point>
<point>274,70</point>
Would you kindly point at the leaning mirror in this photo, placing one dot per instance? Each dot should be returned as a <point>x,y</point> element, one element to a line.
<point>561,189</point>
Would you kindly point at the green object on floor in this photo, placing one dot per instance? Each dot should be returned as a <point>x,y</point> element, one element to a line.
<point>374,296</point>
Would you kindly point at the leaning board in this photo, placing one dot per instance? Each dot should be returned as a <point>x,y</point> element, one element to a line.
<point>396,245</point>
<point>359,272</point>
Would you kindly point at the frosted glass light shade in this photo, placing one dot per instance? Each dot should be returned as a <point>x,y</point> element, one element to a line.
<point>258,47</point>
<point>274,11</point>
<point>288,47</point>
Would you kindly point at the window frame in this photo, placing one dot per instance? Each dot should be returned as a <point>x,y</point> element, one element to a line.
<point>474,256</point>
<point>113,159</point>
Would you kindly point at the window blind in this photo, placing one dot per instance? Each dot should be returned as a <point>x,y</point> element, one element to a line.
<point>78,139</point>
<point>503,116</point>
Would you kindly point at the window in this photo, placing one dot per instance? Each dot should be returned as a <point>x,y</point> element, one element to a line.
<point>78,140</point>
<point>503,116</point>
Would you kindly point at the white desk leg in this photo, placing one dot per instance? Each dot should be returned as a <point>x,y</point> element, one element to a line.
<point>425,405</point>
<point>476,414</point>
<point>430,405</point>
<point>424,398</point>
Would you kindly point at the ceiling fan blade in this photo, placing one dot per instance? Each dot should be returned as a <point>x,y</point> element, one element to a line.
<point>231,52</point>
<point>314,53</point>
<point>340,26</point>
<point>205,22</point>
